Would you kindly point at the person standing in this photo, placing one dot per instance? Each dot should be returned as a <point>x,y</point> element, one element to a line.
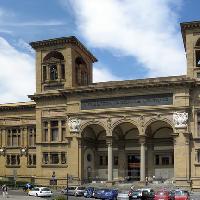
<point>5,190</point>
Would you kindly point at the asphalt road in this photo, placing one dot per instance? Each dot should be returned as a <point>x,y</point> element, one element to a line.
<point>19,194</point>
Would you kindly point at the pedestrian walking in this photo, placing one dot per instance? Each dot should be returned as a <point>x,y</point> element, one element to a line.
<point>5,191</point>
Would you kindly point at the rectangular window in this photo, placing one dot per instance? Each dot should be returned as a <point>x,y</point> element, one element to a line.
<point>14,137</point>
<point>54,158</point>
<point>32,136</point>
<point>115,160</point>
<point>157,160</point>
<point>45,158</point>
<point>44,73</point>
<point>31,159</point>
<point>8,160</point>
<point>54,134</point>
<point>45,135</point>
<point>165,160</point>
<point>54,130</point>
<point>34,159</point>
<point>13,159</point>
<point>63,158</point>
<point>106,160</point>
<point>62,71</point>
<point>100,160</point>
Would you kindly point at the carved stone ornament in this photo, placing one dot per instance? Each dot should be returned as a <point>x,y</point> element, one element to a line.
<point>180,119</point>
<point>74,124</point>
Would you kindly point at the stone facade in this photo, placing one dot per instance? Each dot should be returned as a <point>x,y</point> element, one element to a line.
<point>103,131</point>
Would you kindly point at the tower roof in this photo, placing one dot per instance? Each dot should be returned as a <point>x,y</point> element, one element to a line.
<point>63,40</point>
<point>186,26</point>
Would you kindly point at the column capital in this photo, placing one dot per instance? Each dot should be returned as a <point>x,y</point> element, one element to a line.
<point>109,141</point>
<point>142,139</point>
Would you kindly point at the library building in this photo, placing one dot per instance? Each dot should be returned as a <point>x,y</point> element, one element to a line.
<point>107,131</point>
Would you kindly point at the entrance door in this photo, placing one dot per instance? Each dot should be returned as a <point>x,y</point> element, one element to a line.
<point>134,167</point>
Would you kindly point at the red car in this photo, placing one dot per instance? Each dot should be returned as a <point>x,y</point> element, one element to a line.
<point>182,195</point>
<point>163,195</point>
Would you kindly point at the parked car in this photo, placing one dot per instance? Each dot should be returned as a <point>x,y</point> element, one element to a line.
<point>144,193</point>
<point>74,190</point>
<point>123,194</point>
<point>89,192</point>
<point>164,195</point>
<point>110,194</point>
<point>79,191</point>
<point>97,192</point>
<point>40,192</point>
<point>182,195</point>
<point>70,190</point>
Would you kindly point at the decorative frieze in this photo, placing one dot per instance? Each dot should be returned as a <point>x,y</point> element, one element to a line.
<point>74,124</point>
<point>180,119</point>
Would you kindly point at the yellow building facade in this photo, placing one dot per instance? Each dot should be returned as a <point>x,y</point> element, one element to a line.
<point>103,131</point>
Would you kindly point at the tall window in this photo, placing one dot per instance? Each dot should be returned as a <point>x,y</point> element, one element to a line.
<point>81,71</point>
<point>53,72</point>
<point>14,137</point>
<point>54,127</point>
<point>31,136</point>
<point>32,159</point>
<point>63,123</point>
<point>54,130</point>
<point>62,71</point>
<point>45,132</point>
<point>44,73</point>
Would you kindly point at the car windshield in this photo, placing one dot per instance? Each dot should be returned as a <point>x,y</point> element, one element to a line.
<point>81,188</point>
<point>181,193</point>
<point>45,189</point>
<point>35,189</point>
<point>136,192</point>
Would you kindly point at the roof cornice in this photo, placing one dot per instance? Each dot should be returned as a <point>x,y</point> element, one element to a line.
<point>62,41</point>
<point>17,106</point>
<point>120,85</point>
<point>186,26</point>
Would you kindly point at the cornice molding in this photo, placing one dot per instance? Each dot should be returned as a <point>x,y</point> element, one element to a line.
<point>186,26</point>
<point>62,41</point>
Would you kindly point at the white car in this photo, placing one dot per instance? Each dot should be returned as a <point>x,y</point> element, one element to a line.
<point>40,192</point>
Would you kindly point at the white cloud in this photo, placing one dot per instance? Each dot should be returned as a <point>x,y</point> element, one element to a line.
<point>145,29</point>
<point>17,77</point>
<point>102,74</point>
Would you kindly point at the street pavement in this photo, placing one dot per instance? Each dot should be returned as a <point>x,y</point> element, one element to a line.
<point>20,195</point>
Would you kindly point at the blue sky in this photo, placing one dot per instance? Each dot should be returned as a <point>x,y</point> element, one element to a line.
<point>131,39</point>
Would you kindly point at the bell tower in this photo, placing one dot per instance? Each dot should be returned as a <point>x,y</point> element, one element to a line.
<point>191,39</point>
<point>62,63</point>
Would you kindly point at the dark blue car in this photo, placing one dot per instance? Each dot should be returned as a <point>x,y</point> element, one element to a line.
<point>89,192</point>
<point>110,194</point>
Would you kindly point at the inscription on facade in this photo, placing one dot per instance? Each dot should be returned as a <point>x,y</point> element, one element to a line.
<point>127,101</point>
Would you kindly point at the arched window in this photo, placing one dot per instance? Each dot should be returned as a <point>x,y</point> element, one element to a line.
<point>53,66</point>
<point>81,71</point>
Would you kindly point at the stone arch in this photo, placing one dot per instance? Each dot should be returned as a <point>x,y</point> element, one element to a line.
<point>88,123</point>
<point>156,120</point>
<point>197,43</point>
<point>134,123</point>
<point>160,147</point>
<point>53,54</point>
